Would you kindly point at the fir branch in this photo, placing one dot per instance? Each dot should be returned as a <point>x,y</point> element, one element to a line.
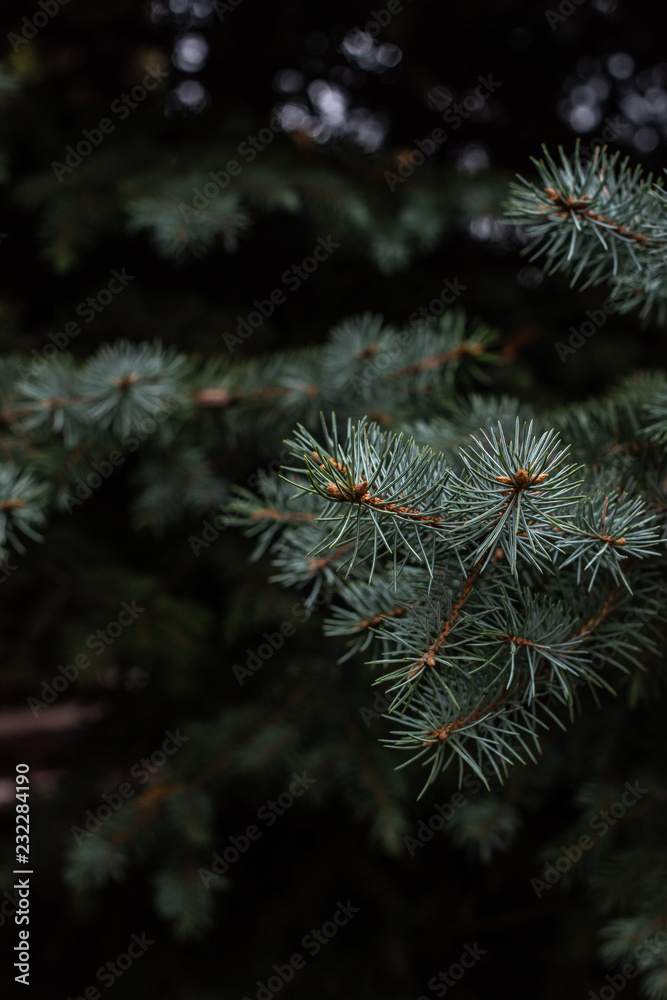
<point>369,475</point>
<point>597,221</point>
<point>428,659</point>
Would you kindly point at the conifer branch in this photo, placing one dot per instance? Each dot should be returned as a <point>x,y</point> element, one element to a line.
<point>598,221</point>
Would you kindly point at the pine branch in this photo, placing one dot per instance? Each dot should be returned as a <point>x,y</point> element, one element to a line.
<point>475,673</point>
<point>598,221</point>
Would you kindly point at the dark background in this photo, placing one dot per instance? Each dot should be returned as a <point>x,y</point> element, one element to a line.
<point>416,912</point>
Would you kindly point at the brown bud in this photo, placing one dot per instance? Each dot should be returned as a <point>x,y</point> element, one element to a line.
<point>126,381</point>
<point>212,397</point>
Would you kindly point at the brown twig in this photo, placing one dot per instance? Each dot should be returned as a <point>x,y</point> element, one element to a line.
<point>581,206</point>
<point>281,515</point>
<point>443,732</point>
<point>464,349</point>
<point>428,658</point>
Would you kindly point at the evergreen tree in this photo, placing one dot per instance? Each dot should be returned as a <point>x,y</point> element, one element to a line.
<point>255,543</point>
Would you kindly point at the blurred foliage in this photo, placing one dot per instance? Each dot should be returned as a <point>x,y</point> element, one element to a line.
<point>197,277</point>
